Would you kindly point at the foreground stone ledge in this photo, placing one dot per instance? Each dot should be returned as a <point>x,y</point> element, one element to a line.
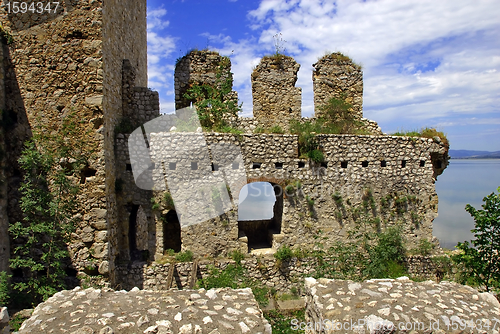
<point>105,311</point>
<point>398,306</point>
<point>4,320</point>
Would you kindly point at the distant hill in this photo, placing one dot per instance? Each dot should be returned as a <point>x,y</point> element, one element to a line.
<point>467,154</point>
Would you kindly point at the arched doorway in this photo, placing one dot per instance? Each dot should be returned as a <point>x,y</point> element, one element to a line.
<point>260,211</point>
<point>171,232</point>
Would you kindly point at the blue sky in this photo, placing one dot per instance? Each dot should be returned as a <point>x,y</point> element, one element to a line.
<point>425,63</point>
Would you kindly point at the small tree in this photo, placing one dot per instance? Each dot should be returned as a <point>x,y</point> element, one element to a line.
<point>480,259</point>
<point>51,165</point>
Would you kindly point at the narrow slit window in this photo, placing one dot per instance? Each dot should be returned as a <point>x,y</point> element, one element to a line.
<point>422,163</point>
<point>403,164</point>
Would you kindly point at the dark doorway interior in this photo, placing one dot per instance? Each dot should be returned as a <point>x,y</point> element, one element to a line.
<point>260,231</point>
<point>132,233</point>
<point>171,232</point>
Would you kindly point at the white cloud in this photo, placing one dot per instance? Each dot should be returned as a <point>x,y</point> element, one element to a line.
<point>395,41</point>
<point>160,47</point>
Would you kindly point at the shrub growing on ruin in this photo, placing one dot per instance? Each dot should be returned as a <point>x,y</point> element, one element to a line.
<point>215,104</point>
<point>386,255</point>
<point>186,256</point>
<point>4,288</point>
<point>284,253</point>
<point>52,166</point>
<point>479,258</point>
<point>338,116</point>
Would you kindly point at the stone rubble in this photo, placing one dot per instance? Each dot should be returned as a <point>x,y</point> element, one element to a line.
<point>4,321</point>
<point>96,311</point>
<point>398,306</point>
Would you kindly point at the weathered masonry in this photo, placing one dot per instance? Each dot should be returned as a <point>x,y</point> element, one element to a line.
<point>85,60</point>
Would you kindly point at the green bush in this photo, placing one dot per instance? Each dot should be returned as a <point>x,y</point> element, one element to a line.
<point>424,248</point>
<point>316,156</point>
<point>284,253</point>
<point>233,276</point>
<point>168,201</point>
<point>479,259</point>
<point>4,289</point>
<point>48,202</point>
<point>386,255</point>
<point>237,256</point>
<point>276,129</point>
<point>186,256</point>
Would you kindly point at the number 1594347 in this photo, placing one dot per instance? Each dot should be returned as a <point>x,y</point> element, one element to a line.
<point>15,7</point>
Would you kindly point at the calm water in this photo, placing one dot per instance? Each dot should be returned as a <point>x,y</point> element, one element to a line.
<point>463,182</point>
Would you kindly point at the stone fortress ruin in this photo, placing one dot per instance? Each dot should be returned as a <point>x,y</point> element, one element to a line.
<point>90,59</point>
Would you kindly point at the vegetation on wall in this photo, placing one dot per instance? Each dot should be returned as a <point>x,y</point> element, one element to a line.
<point>425,133</point>
<point>52,167</point>
<point>337,118</point>
<point>215,103</point>
<point>5,36</point>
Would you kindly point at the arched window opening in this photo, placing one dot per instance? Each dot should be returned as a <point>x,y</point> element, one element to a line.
<point>260,212</point>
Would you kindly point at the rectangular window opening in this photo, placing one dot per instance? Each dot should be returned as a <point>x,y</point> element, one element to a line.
<point>194,165</point>
<point>279,165</point>
<point>403,164</point>
<point>364,163</point>
<point>172,165</point>
<point>215,167</point>
<point>128,167</point>
<point>236,165</point>
<point>383,163</point>
<point>302,164</point>
<point>343,164</point>
<point>256,165</point>
<point>422,163</point>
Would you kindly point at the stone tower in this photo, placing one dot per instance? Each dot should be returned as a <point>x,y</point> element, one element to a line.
<point>71,62</point>
<point>276,100</point>
<point>201,68</point>
<point>336,75</point>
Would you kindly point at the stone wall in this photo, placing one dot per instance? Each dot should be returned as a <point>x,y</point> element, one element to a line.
<point>364,181</point>
<point>282,276</point>
<point>54,72</point>
<point>276,100</point>
<point>71,62</point>
<point>336,75</point>
<point>135,221</point>
<point>124,36</point>
<point>4,221</point>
